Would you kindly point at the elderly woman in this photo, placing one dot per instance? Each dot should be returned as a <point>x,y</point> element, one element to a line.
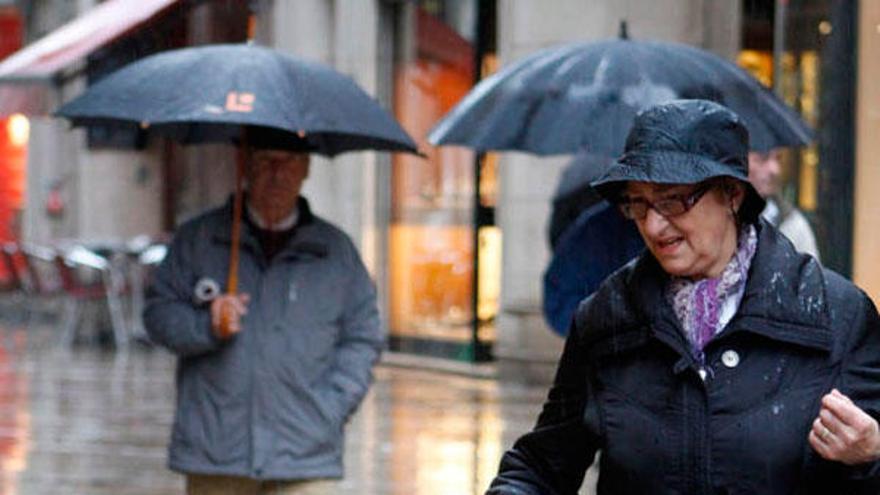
<point>720,361</point>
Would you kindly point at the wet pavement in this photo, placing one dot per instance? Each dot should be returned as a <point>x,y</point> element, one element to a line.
<point>93,421</point>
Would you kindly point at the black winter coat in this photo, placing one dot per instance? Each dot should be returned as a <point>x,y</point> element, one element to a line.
<point>628,386</point>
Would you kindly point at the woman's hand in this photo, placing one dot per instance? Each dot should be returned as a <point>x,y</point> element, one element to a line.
<point>226,313</point>
<point>843,432</point>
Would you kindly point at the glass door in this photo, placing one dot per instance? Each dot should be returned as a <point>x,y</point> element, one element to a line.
<point>435,246</point>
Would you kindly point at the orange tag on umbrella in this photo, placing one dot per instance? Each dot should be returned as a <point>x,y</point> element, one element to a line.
<point>240,102</point>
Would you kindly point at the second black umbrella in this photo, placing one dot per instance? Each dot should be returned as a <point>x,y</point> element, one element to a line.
<point>584,96</point>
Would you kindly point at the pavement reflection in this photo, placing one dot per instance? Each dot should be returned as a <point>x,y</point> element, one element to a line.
<point>94,422</point>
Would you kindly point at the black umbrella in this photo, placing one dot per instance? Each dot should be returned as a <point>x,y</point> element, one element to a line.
<point>239,93</point>
<point>208,93</point>
<point>584,96</point>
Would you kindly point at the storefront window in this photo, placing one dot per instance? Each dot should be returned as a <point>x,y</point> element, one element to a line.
<point>814,40</point>
<point>433,246</point>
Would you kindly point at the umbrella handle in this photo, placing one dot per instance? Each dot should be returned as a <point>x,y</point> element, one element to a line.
<point>232,277</point>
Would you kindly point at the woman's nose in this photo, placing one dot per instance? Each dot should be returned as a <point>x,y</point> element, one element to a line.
<point>654,222</point>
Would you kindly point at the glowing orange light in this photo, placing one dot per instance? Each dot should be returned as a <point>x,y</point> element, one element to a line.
<point>19,129</point>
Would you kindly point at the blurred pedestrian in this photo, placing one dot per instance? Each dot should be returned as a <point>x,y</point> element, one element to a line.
<point>573,194</point>
<point>765,169</point>
<point>720,360</point>
<point>261,406</point>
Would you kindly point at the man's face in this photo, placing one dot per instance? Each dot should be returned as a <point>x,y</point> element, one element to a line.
<point>275,178</point>
<point>764,171</point>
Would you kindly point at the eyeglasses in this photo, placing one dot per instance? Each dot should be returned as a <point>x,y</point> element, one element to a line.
<point>668,206</point>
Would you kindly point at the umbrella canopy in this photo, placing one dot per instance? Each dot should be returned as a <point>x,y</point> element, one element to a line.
<point>573,192</point>
<point>576,177</point>
<point>584,96</point>
<point>209,93</point>
<point>598,243</point>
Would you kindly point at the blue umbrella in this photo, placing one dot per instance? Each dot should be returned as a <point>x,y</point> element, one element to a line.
<point>573,193</point>
<point>599,242</point>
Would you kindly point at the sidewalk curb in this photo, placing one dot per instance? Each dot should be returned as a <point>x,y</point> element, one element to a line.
<point>487,371</point>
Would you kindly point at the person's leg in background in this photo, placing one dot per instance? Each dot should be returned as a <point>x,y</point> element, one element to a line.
<point>306,487</point>
<point>202,484</point>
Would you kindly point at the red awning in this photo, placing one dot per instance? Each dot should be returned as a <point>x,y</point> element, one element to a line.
<point>43,60</point>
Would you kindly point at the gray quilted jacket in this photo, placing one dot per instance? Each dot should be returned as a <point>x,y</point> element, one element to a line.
<point>271,402</point>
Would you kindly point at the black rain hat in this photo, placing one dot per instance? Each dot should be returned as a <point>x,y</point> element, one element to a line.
<point>684,142</point>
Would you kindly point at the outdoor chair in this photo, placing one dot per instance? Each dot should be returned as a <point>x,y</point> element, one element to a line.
<point>41,283</point>
<point>9,282</point>
<point>89,278</point>
<point>13,285</point>
<point>141,272</point>
<point>13,266</point>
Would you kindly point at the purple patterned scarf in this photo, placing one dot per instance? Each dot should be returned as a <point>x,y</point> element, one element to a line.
<point>699,304</point>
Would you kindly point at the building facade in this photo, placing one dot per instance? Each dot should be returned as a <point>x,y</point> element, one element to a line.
<point>456,241</point>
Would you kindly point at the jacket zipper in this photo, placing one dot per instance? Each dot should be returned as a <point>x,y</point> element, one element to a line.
<point>261,271</point>
<point>706,448</point>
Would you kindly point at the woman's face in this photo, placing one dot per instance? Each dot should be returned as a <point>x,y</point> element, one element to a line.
<point>697,243</point>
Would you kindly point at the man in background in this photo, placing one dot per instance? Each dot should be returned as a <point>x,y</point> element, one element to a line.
<point>262,403</point>
<point>765,170</point>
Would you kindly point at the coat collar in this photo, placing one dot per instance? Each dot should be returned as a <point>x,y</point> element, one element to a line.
<point>301,245</point>
<point>786,294</point>
<point>784,300</point>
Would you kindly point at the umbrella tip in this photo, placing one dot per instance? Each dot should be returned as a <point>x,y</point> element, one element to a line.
<point>623,34</point>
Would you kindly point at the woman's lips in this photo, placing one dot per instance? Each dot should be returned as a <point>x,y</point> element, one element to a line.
<point>668,246</point>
